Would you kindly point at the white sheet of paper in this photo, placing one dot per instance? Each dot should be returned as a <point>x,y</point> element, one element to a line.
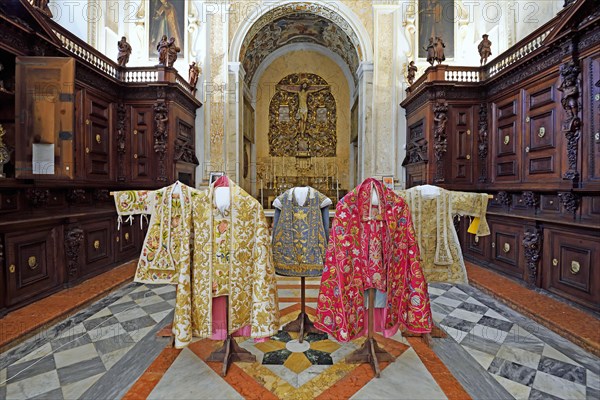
<point>43,159</point>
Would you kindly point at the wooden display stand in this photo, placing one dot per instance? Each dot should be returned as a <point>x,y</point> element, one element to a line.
<point>370,352</point>
<point>303,325</point>
<point>230,351</point>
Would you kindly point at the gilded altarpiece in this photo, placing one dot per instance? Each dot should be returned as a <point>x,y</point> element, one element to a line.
<point>302,118</point>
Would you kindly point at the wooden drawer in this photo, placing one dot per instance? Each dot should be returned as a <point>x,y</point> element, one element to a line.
<point>127,242</point>
<point>570,267</point>
<point>473,247</point>
<point>31,266</point>
<point>98,246</point>
<point>506,252</point>
<point>9,201</point>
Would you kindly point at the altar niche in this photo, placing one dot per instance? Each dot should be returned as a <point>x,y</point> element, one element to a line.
<point>302,118</point>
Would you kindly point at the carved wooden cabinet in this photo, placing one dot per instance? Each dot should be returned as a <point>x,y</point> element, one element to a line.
<point>77,127</point>
<point>526,129</point>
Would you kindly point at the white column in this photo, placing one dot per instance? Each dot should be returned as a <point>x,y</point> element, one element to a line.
<point>366,141</point>
<point>235,117</point>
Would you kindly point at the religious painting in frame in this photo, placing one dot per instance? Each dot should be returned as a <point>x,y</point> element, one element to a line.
<point>436,19</point>
<point>214,176</point>
<point>388,181</point>
<point>166,17</point>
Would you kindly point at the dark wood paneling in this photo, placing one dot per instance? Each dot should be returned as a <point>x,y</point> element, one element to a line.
<point>98,245</point>
<point>97,128</point>
<point>142,154</point>
<point>506,140</point>
<point>505,247</point>
<point>461,143</point>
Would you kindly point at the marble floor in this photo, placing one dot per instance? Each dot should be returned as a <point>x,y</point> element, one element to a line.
<point>110,350</point>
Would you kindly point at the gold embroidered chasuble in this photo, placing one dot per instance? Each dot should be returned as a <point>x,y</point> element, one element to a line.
<point>249,275</point>
<point>433,210</point>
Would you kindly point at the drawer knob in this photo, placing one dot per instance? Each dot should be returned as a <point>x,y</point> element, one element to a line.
<point>135,132</point>
<point>135,156</point>
<point>554,262</point>
<point>32,262</point>
<point>117,239</point>
<point>87,121</point>
<point>96,244</point>
<point>493,244</point>
<point>12,268</point>
<point>127,236</point>
<point>87,150</point>
<point>98,139</point>
<point>527,119</point>
<point>551,202</point>
<point>476,239</point>
<point>575,267</point>
<point>527,149</point>
<point>468,131</point>
<point>541,132</point>
<point>506,248</point>
<point>506,139</point>
<point>597,136</point>
<point>468,157</point>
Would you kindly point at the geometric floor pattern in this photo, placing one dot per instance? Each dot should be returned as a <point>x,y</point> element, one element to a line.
<point>100,352</point>
<point>526,366</point>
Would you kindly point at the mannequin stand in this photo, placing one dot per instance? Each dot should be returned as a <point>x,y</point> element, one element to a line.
<point>303,325</point>
<point>230,351</point>
<point>370,352</point>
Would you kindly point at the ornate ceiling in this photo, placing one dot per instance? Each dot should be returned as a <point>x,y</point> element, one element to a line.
<point>299,23</point>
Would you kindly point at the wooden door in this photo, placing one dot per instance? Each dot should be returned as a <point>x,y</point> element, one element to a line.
<point>142,157</point>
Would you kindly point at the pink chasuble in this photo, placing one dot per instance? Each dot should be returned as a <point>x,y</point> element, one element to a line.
<point>372,250</point>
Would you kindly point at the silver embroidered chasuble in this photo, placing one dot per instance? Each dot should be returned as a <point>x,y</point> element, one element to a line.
<point>433,210</point>
<point>182,220</point>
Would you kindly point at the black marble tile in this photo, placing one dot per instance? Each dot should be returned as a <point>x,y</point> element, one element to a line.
<point>562,370</point>
<point>505,326</point>
<point>168,295</point>
<point>99,322</point>
<point>473,308</point>
<point>458,323</point>
<point>55,394</point>
<point>157,307</point>
<point>315,337</point>
<point>317,357</point>
<point>282,336</point>
<point>276,357</point>
<point>527,342</point>
<point>591,393</point>
<point>114,343</point>
<point>433,296</point>
<point>455,296</point>
<point>539,395</point>
<point>138,323</point>
<point>80,371</point>
<point>513,371</point>
<point>440,285</point>
<point>442,308</point>
<point>70,341</point>
<point>3,392</point>
<point>121,307</point>
<point>24,370</point>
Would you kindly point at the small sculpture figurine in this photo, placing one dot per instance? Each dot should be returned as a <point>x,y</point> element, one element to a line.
<point>430,52</point>
<point>195,71</point>
<point>485,49</point>
<point>4,154</point>
<point>439,50</point>
<point>124,52</point>
<point>172,52</point>
<point>412,70</point>
<point>162,47</point>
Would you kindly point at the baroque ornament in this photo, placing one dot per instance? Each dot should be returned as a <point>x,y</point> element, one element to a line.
<point>440,145</point>
<point>73,240</point>
<point>161,117</point>
<point>570,201</point>
<point>302,118</point>
<point>531,199</point>
<point>532,242</point>
<point>121,120</point>
<point>571,126</point>
<point>482,145</point>
<point>503,198</point>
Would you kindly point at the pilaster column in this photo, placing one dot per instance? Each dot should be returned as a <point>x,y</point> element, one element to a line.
<point>235,117</point>
<point>366,142</point>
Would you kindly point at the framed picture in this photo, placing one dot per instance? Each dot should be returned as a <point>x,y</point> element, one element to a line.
<point>436,19</point>
<point>214,176</point>
<point>166,18</point>
<point>388,181</point>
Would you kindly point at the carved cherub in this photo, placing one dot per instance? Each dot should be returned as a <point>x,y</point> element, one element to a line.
<point>412,70</point>
<point>485,49</point>
<point>194,72</point>
<point>124,52</point>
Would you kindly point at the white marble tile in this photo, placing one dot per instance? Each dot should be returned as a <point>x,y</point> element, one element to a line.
<point>551,352</point>
<point>77,354</point>
<point>163,289</point>
<point>311,372</point>
<point>284,373</point>
<point>124,299</point>
<point>76,389</point>
<point>558,387</point>
<point>494,314</point>
<point>129,314</point>
<point>435,291</point>
<point>284,305</point>
<point>190,378</point>
<point>489,333</point>
<point>37,353</point>
<point>102,313</point>
<point>106,331</point>
<point>3,377</point>
<point>437,317</point>
<point>454,289</point>
<point>311,304</point>
<point>159,316</point>
<point>406,378</point>
<point>449,302</point>
<point>466,315</point>
<point>471,300</point>
<point>520,392</point>
<point>73,332</point>
<point>146,301</point>
<point>519,356</point>
<point>484,359</point>
<point>592,380</point>
<point>456,334</point>
<point>343,352</point>
<point>27,388</point>
<point>249,345</point>
<point>138,334</point>
<point>141,288</point>
<point>110,359</point>
<point>399,338</point>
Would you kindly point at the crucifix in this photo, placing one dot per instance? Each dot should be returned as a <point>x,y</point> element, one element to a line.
<point>303,90</point>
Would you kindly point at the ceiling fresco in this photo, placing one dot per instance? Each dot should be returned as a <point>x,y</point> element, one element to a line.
<point>299,27</point>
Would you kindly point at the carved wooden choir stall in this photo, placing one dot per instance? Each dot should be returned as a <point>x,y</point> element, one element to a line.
<point>78,125</point>
<point>525,127</point>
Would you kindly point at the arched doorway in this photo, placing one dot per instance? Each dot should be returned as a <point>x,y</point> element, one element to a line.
<point>295,41</point>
